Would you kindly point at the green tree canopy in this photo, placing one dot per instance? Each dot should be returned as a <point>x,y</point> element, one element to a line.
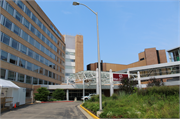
<point>42,94</point>
<point>58,94</point>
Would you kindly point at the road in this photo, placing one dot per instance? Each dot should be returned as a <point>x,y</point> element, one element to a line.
<point>61,110</point>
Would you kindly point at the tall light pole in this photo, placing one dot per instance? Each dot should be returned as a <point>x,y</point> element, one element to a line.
<point>99,68</point>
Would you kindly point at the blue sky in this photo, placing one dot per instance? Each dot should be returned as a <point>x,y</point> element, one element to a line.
<point>126,27</point>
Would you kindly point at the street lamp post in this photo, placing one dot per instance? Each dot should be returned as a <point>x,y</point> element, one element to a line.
<point>99,68</point>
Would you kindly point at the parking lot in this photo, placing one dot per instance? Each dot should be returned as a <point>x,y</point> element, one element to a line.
<point>61,110</point>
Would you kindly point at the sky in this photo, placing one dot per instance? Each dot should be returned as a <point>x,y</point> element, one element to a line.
<point>126,27</point>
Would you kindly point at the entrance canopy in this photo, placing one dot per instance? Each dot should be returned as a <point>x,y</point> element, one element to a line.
<point>7,84</point>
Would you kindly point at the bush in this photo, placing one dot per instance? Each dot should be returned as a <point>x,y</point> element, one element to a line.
<point>53,99</point>
<point>114,96</point>
<point>155,82</point>
<point>58,94</point>
<point>42,94</point>
<point>95,98</point>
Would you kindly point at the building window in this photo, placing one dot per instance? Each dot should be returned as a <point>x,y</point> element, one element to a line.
<point>15,44</point>
<point>41,59</point>
<point>31,41</point>
<point>20,78</point>
<point>26,23</point>
<point>48,32</point>
<point>50,74</point>
<point>47,42</point>
<point>7,24</point>
<point>34,18</point>
<point>35,69</point>
<point>5,39</point>
<point>29,66</point>
<point>44,28</point>
<point>3,73</point>
<point>41,70</point>
<point>33,29</point>
<point>38,34</point>
<point>28,12</point>
<point>30,53</point>
<point>36,56</point>
<point>4,55</point>
<point>23,49</point>
<point>25,36</point>
<point>18,17</point>
<point>45,82</point>
<point>49,83</point>
<point>50,64</point>
<point>17,30</point>
<point>53,74</point>
<point>13,59</point>
<point>35,80</point>
<point>28,79</point>
<point>22,63</point>
<point>10,9</point>
<point>46,61</point>
<point>20,4</point>
<point>42,48</point>
<point>43,38</point>
<point>46,72</point>
<point>37,45</point>
<point>40,81</point>
<point>12,75</point>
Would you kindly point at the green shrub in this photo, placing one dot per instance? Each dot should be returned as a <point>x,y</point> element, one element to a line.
<point>53,99</point>
<point>42,94</point>
<point>114,96</point>
<point>58,94</point>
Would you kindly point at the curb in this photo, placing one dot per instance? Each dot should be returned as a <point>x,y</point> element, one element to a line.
<point>56,101</point>
<point>94,116</point>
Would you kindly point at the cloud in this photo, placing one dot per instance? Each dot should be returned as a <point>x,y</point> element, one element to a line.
<point>66,12</point>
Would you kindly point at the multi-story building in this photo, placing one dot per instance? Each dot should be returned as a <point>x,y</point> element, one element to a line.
<point>74,54</point>
<point>150,56</point>
<point>32,49</point>
<point>174,54</point>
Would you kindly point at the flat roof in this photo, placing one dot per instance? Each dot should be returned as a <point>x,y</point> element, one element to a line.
<point>173,49</point>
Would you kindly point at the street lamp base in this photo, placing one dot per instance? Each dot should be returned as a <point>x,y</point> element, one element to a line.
<point>99,112</point>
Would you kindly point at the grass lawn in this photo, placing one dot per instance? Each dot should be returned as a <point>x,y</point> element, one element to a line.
<point>138,105</point>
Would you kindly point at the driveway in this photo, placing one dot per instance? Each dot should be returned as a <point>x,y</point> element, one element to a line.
<point>60,110</point>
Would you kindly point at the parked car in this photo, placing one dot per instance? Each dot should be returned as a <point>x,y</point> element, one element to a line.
<point>87,97</point>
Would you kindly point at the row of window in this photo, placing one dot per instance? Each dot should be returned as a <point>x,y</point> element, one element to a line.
<point>70,53</point>
<point>38,22</point>
<point>11,26</point>
<point>22,20</point>
<point>20,47</point>
<point>55,31</point>
<point>70,60</point>
<point>15,76</point>
<point>10,58</point>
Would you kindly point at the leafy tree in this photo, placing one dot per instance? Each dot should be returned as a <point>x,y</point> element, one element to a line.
<point>58,94</point>
<point>128,85</point>
<point>154,82</point>
<point>42,94</point>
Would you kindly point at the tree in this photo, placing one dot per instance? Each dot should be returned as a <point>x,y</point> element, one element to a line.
<point>154,82</point>
<point>128,85</point>
<point>58,94</point>
<point>42,94</point>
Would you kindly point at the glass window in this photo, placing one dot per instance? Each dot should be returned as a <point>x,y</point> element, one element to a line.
<point>46,51</point>
<point>22,63</point>
<point>17,30</point>
<point>28,12</point>
<point>23,49</point>
<point>10,9</point>
<point>29,66</point>
<point>43,38</point>
<point>31,41</point>
<point>40,81</point>
<point>41,59</point>
<point>18,17</point>
<point>38,34</point>
<point>37,45</point>
<point>20,4</point>
<point>50,64</point>
<point>34,18</point>
<point>26,23</point>
<point>45,82</point>
<point>39,23</point>
<point>50,74</point>
<point>35,80</point>
<point>50,45</point>
<point>41,70</point>
<point>33,29</point>
<point>7,24</point>
<point>13,59</point>
<point>30,53</point>
<point>50,54</point>
<point>20,78</point>
<point>53,65</point>
<point>47,42</point>
<point>46,61</point>
<point>53,56</point>
<point>53,74</point>
<point>4,55</point>
<point>42,48</point>
<point>35,69</point>
<point>12,75</point>
<point>3,73</point>
<point>5,39</point>
<point>46,72</point>
<point>15,44</point>
<point>49,83</point>
<point>1,3</point>
<point>36,56</point>
<point>48,32</point>
<point>28,79</point>
<point>44,28</point>
<point>25,36</point>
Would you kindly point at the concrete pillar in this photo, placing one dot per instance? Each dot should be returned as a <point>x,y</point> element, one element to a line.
<point>111,82</point>
<point>128,74</point>
<point>139,79</point>
<point>97,83</point>
<point>67,95</point>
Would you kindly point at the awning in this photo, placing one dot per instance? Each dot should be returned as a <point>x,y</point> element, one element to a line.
<point>7,84</point>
